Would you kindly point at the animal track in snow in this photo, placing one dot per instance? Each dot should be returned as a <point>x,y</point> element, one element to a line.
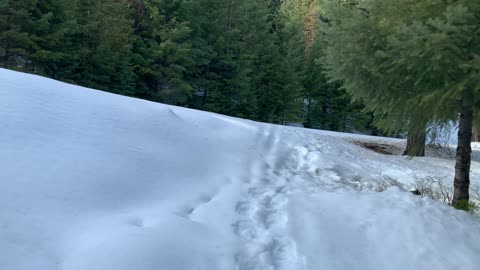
<point>262,214</point>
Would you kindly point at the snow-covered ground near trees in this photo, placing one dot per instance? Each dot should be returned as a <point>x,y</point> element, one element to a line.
<point>92,180</point>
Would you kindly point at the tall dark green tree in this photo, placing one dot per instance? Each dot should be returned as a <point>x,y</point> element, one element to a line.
<point>221,77</point>
<point>242,71</point>
<point>33,33</point>
<point>161,51</point>
<point>412,59</point>
<point>325,104</point>
<point>102,44</point>
<point>356,39</point>
<point>207,20</point>
<point>442,49</point>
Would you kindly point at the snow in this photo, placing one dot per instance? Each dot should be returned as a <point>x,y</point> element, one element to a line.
<point>92,180</point>
<point>387,230</point>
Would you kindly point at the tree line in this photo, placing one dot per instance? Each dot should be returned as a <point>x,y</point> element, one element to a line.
<point>253,59</point>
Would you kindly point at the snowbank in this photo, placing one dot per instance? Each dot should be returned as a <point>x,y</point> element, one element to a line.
<point>387,230</point>
<point>92,180</point>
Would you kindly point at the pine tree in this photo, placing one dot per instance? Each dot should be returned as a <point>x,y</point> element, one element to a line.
<point>233,93</point>
<point>356,42</point>
<point>237,56</point>
<point>162,52</point>
<point>442,49</point>
<point>263,49</point>
<point>206,19</point>
<point>325,105</point>
<point>101,44</point>
<point>291,75</point>
<point>32,35</point>
<point>412,59</point>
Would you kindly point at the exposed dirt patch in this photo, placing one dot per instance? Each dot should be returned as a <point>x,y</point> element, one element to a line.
<point>385,149</point>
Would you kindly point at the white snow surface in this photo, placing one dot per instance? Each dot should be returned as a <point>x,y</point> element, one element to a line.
<point>92,180</point>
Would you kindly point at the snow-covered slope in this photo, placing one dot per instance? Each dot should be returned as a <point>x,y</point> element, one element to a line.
<point>91,180</point>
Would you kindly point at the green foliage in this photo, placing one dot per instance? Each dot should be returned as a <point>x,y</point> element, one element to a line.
<point>255,59</point>
<point>328,105</point>
<point>161,51</point>
<point>102,44</point>
<point>32,33</point>
<point>466,205</point>
<point>409,62</point>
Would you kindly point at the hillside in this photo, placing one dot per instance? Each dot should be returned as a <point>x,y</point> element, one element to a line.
<point>92,180</point>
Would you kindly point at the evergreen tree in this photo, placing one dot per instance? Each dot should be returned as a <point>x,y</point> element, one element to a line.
<point>412,59</point>
<point>32,34</point>
<point>162,51</point>
<point>442,50</point>
<point>291,70</point>
<point>328,106</point>
<point>102,44</point>
<point>325,104</point>
<point>222,77</point>
<point>241,65</point>
<point>356,38</point>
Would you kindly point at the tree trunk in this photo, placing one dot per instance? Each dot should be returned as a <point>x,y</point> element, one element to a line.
<point>475,135</point>
<point>462,164</point>
<point>6,52</point>
<point>229,26</point>
<point>416,142</point>
<point>205,91</point>
<point>310,26</point>
<point>308,118</point>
